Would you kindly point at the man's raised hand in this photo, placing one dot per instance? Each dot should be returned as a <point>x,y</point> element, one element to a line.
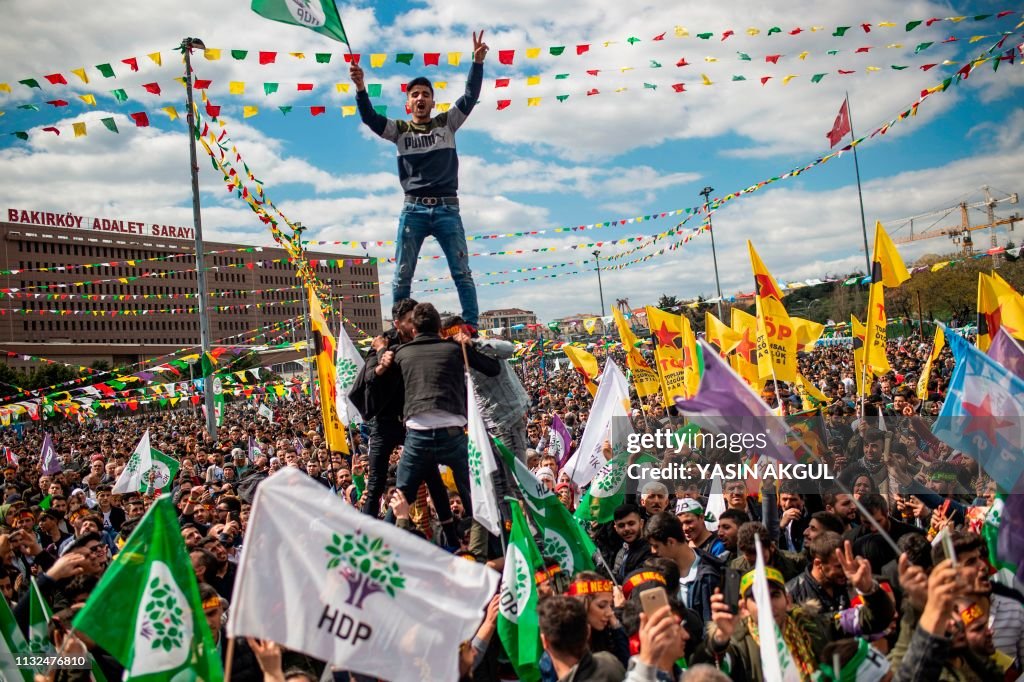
<point>355,72</point>
<point>479,48</point>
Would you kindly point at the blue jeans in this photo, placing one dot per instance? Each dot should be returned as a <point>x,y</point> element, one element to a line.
<point>423,451</point>
<point>444,224</point>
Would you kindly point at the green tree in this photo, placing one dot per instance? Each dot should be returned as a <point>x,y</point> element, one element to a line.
<point>668,303</point>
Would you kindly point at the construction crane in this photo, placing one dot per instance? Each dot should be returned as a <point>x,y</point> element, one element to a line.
<point>960,234</point>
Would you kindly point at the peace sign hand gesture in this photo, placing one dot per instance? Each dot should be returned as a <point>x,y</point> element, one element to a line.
<point>479,47</point>
<point>856,569</point>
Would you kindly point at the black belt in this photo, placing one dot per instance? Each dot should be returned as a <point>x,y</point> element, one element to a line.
<point>442,431</point>
<point>431,201</point>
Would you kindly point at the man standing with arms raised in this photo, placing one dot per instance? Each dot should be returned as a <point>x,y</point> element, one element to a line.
<point>428,168</point>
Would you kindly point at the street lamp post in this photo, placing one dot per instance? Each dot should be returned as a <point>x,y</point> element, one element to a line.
<point>600,289</point>
<point>299,229</point>
<point>187,45</point>
<point>706,192</point>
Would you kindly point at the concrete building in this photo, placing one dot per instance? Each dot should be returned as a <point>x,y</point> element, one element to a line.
<point>512,321</point>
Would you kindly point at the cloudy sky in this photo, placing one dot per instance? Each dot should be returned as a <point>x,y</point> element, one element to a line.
<point>636,147</point>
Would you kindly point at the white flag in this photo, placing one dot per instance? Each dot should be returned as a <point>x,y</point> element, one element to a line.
<point>348,364</point>
<point>139,464</point>
<point>716,504</point>
<point>319,577</point>
<point>776,661</point>
<point>482,466</point>
<point>608,421</point>
<point>265,411</point>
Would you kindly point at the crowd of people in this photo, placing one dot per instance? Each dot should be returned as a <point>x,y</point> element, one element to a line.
<point>840,594</point>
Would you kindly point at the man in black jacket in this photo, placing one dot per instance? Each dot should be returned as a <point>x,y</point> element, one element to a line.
<point>434,375</point>
<point>377,394</point>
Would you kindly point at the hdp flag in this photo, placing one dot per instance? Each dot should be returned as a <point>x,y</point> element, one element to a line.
<point>133,477</point>
<point>776,338</point>
<point>161,475</point>
<point>207,364</point>
<point>146,611</point>
<point>317,15</point>
<point>323,343</point>
<point>776,659</point>
<point>518,626</point>
<point>585,364</point>
<point>482,466</point>
<point>348,364</point>
<point>348,589</point>
<point>983,414</point>
<point>841,126</point>
<point>14,643</point>
<point>644,378</point>
<point>887,270</point>
<point>608,421</point>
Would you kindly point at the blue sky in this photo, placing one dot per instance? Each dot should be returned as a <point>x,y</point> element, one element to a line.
<point>615,155</point>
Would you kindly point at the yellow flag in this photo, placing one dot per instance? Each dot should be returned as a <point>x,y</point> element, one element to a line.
<point>156,58</point>
<point>776,340</point>
<point>88,99</point>
<point>250,111</point>
<point>999,307</point>
<point>348,111</point>
<point>81,74</point>
<point>720,334</point>
<point>212,54</point>
<point>744,358</point>
<point>675,354</point>
<point>533,101</point>
<point>171,112</point>
<point>644,378</point>
<point>323,346</point>
<point>589,324</point>
<point>454,58</point>
<point>887,270</point>
<point>809,394</point>
<point>585,364</point>
<point>532,52</point>
<point>79,129</point>
<point>440,85</point>
<point>377,60</point>
<point>443,106</point>
<point>533,80</point>
<point>807,332</point>
<point>937,344</point>
<point>857,331</point>
<point>342,87</point>
<point>5,87</point>
<point>236,87</point>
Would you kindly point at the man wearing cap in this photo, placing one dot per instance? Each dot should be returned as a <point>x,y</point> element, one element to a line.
<point>692,517</point>
<point>805,632</point>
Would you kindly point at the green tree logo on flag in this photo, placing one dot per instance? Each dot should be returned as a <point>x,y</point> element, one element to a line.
<point>514,596</point>
<point>346,373</point>
<point>371,566</point>
<point>558,549</point>
<point>163,629</point>
<point>609,478</point>
<point>475,465</point>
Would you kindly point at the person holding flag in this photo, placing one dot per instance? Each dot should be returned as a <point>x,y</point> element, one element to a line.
<point>428,168</point>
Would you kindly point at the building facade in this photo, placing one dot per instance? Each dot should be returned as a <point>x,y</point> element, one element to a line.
<point>75,281</point>
<point>512,321</point>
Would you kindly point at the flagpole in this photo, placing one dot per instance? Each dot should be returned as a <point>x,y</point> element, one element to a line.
<point>860,194</point>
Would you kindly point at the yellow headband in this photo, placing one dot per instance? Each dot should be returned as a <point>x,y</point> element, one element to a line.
<point>212,602</point>
<point>971,614</point>
<point>772,574</point>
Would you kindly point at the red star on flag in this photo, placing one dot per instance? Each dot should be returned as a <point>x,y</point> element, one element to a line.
<point>666,337</point>
<point>747,347</point>
<point>982,420</point>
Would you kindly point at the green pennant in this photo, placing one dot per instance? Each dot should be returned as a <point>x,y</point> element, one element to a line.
<point>269,88</point>
<point>561,98</point>
<point>20,134</point>
<point>403,58</point>
<point>286,109</point>
<point>774,29</point>
<point>374,89</point>
<point>31,83</point>
<point>239,54</point>
<point>705,36</point>
<point>832,52</point>
<point>632,40</point>
<point>28,107</point>
<point>655,65</point>
<point>911,25</point>
<point>381,109</point>
<point>896,67</point>
<point>561,76</point>
<point>650,86</point>
<point>120,95</point>
<point>556,51</point>
<point>922,47</point>
<point>739,78</point>
<point>743,56</point>
<point>106,70</point>
<point>816,78</point>
<point>840,31</point>
<point>323,57</point>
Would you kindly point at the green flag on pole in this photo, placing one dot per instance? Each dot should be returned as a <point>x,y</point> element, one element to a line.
<point>608,489</point>
<point>317,15</point>
<point>39,616</point>
<point>146,612</point>
<point>14,642</point>
<point>990,532</point>
<point>518,626</point>
<point>564,540</point>
<point>161,474</point>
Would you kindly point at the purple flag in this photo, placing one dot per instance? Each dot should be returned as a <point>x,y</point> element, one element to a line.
<point>51,462</point>
<point>1005,350</point>
<point>561,440</point>
<point>725,404</point>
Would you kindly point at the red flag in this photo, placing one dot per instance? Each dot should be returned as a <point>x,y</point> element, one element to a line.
<point>212,110</point>
<point>316,111</point>
<point>140,118</point>
<point>56,79</point>
<point>580,49</point>
<point>153,88</point>
<point>304,87</point>
<point>268,57</point>
<point>506,56</point>
<point>503,103</point>
<point>679,87</point>
<point>501,82</point>
<point>431,58</point>
<point>351,58</point>
<point>841,126</point>
<point>132,63</point>
<point>201,83</point>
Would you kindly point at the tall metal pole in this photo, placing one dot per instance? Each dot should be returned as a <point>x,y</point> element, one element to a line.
<point>706,192</point>
<point>990,205</point>
<point>860,195</point>
<point>299,229</point>
<point>600,289</point>
<point>210,383</point>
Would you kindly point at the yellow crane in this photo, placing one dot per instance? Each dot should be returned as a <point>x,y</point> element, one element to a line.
<point>960,234</point>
